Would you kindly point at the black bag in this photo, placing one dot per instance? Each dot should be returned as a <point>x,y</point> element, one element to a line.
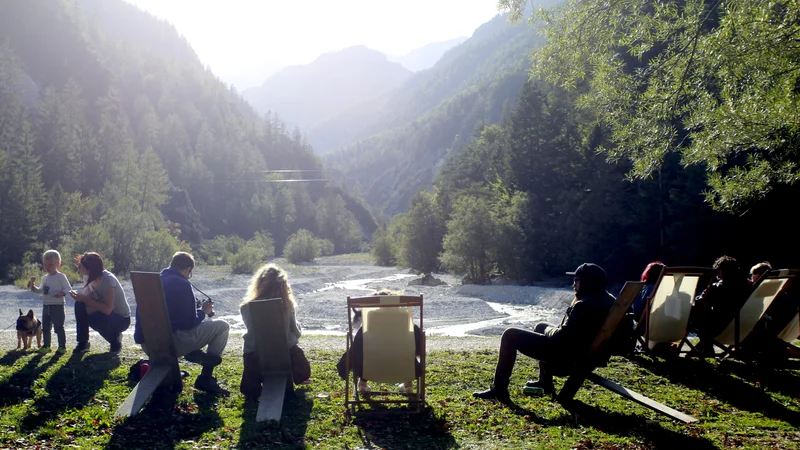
<point>623,341</point>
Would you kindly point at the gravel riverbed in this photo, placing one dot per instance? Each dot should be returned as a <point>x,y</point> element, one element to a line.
<point>456,316</point>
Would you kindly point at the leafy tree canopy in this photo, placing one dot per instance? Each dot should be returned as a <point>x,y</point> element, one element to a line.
<point>715,82</point>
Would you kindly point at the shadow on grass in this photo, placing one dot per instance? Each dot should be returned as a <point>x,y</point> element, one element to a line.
<point>11,357</point>
<point>651,433</point>
<point>19,384</point>
<point>700,375</point>
<point>162,424</point>
<point>401,427</point>
<point>290,433</point>
<point>772,378</point>
<point>72,386</point>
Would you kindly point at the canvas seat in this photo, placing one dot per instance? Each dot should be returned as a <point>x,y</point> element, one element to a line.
<point>389,350</point>
<point>666,317</point>
<point>753,309</point>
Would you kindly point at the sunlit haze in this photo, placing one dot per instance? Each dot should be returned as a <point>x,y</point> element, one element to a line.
<point>234,35</point>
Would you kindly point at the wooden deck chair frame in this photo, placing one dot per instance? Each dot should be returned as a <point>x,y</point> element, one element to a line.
<point>157,332</point>
<point>792,330</point>
<point>379,397</point>
<point>769,286</point>
<point>273,357</point>
<point>683,322</point>
<point>586,372</point>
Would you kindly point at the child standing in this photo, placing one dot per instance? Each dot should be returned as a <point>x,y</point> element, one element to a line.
<point>269,282</point>
<point>54,288</point>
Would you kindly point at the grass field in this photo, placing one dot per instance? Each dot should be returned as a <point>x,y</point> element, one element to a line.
<point>68,401</point>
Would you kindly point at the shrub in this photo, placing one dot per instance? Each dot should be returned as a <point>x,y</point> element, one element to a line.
<point>217,251</point>
<point>301,247</point>
<point>246,260</point>
<point>22,273</point>
<point>325,247</point>
<point>263,242</point>
<point>383,248</point>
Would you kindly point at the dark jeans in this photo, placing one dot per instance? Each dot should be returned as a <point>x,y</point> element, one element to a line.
<point>110,327</point>
<point>531,344</point>
<point>53,317</point>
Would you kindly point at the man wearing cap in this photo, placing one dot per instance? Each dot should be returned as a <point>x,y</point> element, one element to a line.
<point>551,344</point>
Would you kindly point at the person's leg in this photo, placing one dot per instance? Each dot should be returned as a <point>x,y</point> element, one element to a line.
<point>250,386</point>
<point>188,343</point>
<point>534,345</point>
<point>81,327</point>
<point>58,317</point>
<point>110,327</point>
<point>47,325</point>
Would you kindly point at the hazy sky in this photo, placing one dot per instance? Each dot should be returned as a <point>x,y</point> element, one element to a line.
<point>234,35</point>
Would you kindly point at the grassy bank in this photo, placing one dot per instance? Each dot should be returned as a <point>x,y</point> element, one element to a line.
<point>47,401</point>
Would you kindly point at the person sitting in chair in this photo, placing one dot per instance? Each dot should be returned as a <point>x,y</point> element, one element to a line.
<point>557,346</point>
<point>190,332</point>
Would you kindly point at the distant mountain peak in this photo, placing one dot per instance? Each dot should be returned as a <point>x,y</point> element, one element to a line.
<point>426,56</point>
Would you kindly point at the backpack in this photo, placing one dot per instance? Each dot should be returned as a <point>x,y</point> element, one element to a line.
<point>135,372</point>
<point>623,341</point>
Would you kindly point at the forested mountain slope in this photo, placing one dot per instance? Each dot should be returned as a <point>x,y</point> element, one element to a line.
<point>106,114</point>
<point>401,140</point>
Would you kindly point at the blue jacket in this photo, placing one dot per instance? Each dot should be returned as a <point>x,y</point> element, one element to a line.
<point>181,304</point>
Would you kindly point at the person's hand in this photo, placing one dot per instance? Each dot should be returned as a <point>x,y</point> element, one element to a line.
<point>77,297</point>
<point>59,294</point>
<point>208,307</point>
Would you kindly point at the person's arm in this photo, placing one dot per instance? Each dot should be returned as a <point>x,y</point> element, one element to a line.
<point>32,285</point>
<point>105,304</point>
<point>575,324</point>
<point>294,325</point>
<point>65,286</point>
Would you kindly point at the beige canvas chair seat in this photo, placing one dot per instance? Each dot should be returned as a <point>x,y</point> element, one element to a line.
<point>670,305</point>
<point>389,349</point>
<point>768,287</point>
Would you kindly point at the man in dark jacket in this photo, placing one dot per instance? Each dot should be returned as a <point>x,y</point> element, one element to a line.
<point>561,345</point>
<point>190,331</point>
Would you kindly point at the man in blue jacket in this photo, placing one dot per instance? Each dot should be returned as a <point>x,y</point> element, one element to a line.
<point>190,331</point>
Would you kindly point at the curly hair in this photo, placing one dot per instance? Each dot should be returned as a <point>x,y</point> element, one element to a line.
<point>270,281</point>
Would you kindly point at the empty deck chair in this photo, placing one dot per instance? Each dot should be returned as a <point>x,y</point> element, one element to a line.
<point>768,287</point>
<point>389,349</point>
<point>666,317</point>
<point>791,331</point>
<point>273,357</point>
<point>598,353</point>
<point>157,331</point>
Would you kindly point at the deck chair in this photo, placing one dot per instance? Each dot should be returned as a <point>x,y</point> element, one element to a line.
<point>157,331</point>
<point>666,317</point>
<point>792,329</point>
<point>753,309</point>
<point>389,349</point>
<point>273,357</point>
<point>585,371</point>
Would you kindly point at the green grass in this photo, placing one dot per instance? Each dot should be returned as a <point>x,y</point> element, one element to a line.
<point>48,401</point>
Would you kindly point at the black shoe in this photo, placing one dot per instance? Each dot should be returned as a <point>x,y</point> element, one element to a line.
<point>209,384</point>
<point>82,347</point>
<point>493,394</point>
<point>548,388</point>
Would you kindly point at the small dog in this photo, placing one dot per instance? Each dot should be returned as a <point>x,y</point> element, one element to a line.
<point>28,326</point>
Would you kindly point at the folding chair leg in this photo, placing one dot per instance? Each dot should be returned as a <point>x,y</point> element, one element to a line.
<point>571,387</point>
<point>640,399</point>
